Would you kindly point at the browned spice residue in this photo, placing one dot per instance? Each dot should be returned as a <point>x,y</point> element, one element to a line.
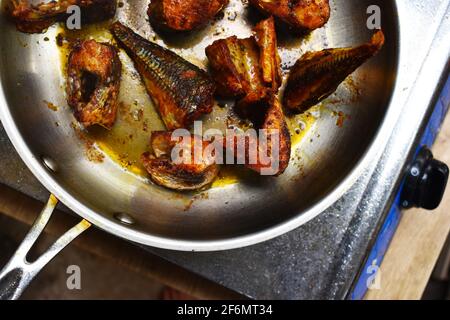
<point>60,40</point>
<point>341,118</point>
<point>51,106</point>
<point>200,196</point>
<point>189,205</point>
<point>353,88</point>
<point>92,154</point>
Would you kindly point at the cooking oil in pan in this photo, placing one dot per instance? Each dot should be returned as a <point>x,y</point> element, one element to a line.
<point>301,124</point>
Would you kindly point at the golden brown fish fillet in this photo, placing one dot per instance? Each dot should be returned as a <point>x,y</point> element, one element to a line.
<point>94,72</point>
<point>185,176</point>
<point>316,75</point>
<point>182,91</point>
<point>184,15</point>
<point>277,146</point>
<point>304,15</point>
<point>248,69</point>
<point>31,18</point>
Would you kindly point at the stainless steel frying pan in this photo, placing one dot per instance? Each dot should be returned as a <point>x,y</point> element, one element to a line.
<point>243,209</point>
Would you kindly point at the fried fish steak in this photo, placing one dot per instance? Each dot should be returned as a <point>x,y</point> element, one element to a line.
<point>183,175</point>
<point>31,18</point>
<point>273,152</point>
<point>94,72</point>
<point>247,69</point>
<point>181,91</point>
<point>316,75</point>
<point>183,15</point>
<point>303,15</point>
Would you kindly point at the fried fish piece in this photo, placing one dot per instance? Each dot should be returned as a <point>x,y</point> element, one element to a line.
<point>270,61</point>
<point>273,152</point>
<point>182,91</point>
<point>236,69</point>
<point>278,149</point>
<point>94,72</point>
<point>275,120</point>
<point>304,15</point>
<point>248,69</point>
<point>185,175</point>
<point>184,15</point>
<point>31,18</point>
<point>316,75</point>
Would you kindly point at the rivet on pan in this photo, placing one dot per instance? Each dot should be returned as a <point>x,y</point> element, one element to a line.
<point>49,163</point>
<point>415,171</point>
<point>124,218</point>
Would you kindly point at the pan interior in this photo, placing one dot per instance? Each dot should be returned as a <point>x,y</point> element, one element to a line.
<point>99,169</point>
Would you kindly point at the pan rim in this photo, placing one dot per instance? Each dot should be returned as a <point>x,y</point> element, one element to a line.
<point>372,150</point>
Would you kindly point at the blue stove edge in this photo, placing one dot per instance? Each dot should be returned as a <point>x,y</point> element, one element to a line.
<point>368,274</point>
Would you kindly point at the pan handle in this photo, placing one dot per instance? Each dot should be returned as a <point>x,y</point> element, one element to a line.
<point>18,273</point>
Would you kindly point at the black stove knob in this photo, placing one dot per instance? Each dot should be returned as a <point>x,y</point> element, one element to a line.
<point>425,182</point>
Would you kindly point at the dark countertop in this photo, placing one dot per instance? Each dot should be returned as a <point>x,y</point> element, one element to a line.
<point>322,258</point>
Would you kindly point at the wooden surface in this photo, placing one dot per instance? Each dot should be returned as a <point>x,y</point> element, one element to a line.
<point>416,245</point>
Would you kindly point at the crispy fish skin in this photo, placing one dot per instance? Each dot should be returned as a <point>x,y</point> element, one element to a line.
<point>94,72</point>
<point>37,18</point>
<point>303,15</point>
<point>316,75</point>
<point>182,91</point>
<point>248,69</point>
<point>182,177</point>
<point>183,15</point>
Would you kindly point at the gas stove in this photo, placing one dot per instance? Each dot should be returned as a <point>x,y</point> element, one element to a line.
<point>335,255</point>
